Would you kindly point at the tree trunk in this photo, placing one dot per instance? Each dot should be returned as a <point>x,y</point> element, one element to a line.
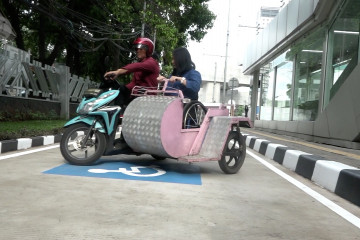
<point>56,52</point>
<point>13,15</point>
<point>41,39</point>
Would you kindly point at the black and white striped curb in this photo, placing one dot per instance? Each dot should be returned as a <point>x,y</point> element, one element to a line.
<point>336,177</point>
<point>25,143</point>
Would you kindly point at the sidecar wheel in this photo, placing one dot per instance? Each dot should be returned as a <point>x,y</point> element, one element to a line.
<point>234,152</point>
<point>194,114</point>
<point>70,145</point>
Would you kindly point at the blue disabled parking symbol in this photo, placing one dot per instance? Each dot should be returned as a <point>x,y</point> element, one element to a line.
<point>139,170</point>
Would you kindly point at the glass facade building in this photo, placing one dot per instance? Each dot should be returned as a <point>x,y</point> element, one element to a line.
<point>306,66</point>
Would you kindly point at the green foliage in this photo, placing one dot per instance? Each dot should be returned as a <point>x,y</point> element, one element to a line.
<point>17,124</point>
<point>17,115</point>
<point>33,128</point>
<point>239,110</point>
<point>166,70</point>
<point>82,34</point>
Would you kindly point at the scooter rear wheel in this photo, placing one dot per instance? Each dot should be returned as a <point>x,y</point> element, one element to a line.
<point>234,152</point>
<point>71,145</point>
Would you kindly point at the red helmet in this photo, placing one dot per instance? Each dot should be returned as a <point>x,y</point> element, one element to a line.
<point>145,43</point>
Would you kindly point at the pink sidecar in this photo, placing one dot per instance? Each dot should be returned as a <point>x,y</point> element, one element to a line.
<point>171,127</point>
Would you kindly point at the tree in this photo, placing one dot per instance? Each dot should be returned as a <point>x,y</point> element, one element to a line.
<point>178,21</point>
<point>94,36</point>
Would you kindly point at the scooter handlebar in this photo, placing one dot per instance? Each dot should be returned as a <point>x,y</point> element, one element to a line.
<point>110,77</point>
<point>165,81</point>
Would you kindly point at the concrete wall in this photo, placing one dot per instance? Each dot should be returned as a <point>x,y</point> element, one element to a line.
<point>341,117</point>
<point>13,104</point>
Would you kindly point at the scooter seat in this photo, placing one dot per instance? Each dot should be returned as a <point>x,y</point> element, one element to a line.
<point>93,92</point>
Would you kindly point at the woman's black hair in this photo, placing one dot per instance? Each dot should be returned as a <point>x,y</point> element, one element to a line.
<point>182,60</point>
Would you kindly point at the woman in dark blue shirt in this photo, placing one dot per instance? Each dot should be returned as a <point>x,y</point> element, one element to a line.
<point>184,75</point>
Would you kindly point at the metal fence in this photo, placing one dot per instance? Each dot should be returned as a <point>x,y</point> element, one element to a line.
<point>22,78</point>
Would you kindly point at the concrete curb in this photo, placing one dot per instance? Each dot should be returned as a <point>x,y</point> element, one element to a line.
<point>336,177</point>
<point>25,143</point>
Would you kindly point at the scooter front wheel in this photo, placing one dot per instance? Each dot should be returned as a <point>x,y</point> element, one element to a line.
<point>76,151</point>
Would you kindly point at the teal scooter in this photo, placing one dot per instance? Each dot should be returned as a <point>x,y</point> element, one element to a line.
<point>93,133</point>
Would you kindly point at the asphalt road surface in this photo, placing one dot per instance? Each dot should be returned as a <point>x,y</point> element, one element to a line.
<point>136,197</point>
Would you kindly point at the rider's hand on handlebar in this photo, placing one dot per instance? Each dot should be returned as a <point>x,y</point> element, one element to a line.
<point>173,78</point>
<point>161,78</point>
<point>114,74</point>
<point>110,75</point>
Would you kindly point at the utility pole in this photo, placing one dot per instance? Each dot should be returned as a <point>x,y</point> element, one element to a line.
<point>213,96</point>
<point>143,20</point>
<point>154,40</point>
<point>226,55</point>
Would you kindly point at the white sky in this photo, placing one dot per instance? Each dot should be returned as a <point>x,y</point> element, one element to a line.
<point>211,50</point>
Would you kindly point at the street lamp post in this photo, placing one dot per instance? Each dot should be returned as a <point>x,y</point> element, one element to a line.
<point>232,90</point>
<point>233,85</point>
<point>226,55</point>
<point>231,101</point>
<point>143,20</point>
<point>213,96</point>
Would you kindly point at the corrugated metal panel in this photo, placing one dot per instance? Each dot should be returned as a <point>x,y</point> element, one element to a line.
<point>272,33</point>
<point>288,19</point>
<point>292,17</point>
<point>315,4</point>
<point>281,25</point>
<point>265,42</point>
<point>306,8</point>
<point>258,46</point>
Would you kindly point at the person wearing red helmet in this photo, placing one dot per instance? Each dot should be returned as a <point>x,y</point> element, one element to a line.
<point>145,71</point>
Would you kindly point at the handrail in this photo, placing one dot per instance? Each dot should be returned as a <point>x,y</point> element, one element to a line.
<point>165,90</point>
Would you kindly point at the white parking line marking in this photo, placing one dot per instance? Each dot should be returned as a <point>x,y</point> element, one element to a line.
<point>28,152</point>
<point>323,200</point>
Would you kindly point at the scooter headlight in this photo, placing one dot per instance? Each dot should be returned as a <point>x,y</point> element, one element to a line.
<point>88,107</point>
<point>94,104</point>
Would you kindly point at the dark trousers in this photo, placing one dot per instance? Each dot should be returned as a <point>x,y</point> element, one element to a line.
<point>124,97</point>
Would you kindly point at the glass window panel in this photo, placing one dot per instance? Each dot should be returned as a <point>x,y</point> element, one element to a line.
<point>308,76</point>
<point>283,86</point>
<point>267,89</point>
<point>343,47</point>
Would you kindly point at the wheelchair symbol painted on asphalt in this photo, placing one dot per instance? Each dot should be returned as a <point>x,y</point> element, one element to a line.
<point>135,171</point>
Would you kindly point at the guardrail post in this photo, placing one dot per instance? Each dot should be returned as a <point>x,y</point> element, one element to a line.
<point>64,91</point>
<point>254,95</point>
